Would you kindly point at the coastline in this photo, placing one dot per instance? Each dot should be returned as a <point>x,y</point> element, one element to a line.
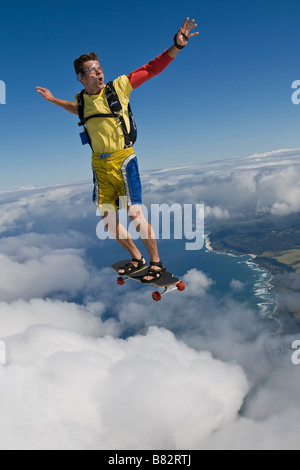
<point>208,243</point>
<point>272,315</point>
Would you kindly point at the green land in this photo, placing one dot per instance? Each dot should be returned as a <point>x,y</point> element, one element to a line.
<point>274,243</point>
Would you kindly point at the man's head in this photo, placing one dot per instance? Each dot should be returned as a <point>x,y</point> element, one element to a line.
<point>89,72</point>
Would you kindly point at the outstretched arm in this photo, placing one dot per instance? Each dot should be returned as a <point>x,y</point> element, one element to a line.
<point>157,65</point>
<point>67,105</point>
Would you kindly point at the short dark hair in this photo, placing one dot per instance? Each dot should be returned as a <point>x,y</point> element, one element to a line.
<point>78,63</point>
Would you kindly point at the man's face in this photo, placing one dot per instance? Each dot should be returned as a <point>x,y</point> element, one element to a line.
<point>93,78</point>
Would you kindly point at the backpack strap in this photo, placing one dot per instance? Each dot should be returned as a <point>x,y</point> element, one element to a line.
<point>85,138</point>
<point>117,112</point>
<point>80,108</point>
<point>116,107</point>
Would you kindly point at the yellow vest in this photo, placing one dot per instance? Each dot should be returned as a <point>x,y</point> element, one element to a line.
<point>106,137</point>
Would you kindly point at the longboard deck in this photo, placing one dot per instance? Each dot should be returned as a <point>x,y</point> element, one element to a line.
<point>166,279</point>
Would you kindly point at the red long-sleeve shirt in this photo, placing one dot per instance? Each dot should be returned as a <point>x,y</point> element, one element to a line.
<point>154,67</point>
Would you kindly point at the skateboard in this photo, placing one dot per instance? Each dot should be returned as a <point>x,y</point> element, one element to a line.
<point>167,281</point>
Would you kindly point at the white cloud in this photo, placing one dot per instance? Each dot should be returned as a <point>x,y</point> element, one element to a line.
<point>237,285</point>
<point>57,207</point>
<point>216,213</point>
<point>72,382</point>
<point>258,183</point>
<point>268,424</point>
<point>17,316</point>
<point>280,192</point>
<point>60,271</point>
<point>70,391</point>
<point>197,283</point>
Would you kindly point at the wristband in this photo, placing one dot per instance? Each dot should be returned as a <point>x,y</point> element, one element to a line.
<point>175,43</point>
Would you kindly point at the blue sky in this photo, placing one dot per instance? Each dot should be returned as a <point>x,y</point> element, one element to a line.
<point>227,94</point>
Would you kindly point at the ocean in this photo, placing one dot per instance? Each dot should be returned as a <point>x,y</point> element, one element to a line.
<point>235,277</point>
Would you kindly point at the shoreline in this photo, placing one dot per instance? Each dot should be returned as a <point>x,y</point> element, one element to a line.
<point>207,243</point>
<point>272,315</point>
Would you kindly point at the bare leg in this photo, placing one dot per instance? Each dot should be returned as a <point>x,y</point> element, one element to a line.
<point>146,233</point>
<point>112,224</point>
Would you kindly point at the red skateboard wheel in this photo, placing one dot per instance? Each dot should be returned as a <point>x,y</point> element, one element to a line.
<point>120,281</point>
<point>156,296</point>
<point>181,286</point>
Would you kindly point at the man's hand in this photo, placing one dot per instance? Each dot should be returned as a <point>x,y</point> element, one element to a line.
<point>45,93</point>
<point>67,105</point>
<point>184,34</point>
<point>182,37</point>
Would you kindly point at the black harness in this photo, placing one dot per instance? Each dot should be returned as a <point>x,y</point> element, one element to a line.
<point>116,113</point>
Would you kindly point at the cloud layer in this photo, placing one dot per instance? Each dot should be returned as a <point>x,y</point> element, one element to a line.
<point>260,183</point>
<point>91,365</point>
<point>80,391</point>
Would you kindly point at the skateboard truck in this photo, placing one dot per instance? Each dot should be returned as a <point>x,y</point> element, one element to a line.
<point>156,296</point>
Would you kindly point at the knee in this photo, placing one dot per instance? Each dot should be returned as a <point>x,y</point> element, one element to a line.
<point>110,221</point>
<point>135,213</point>
<point>136,216</point>
<point>104,217</point>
